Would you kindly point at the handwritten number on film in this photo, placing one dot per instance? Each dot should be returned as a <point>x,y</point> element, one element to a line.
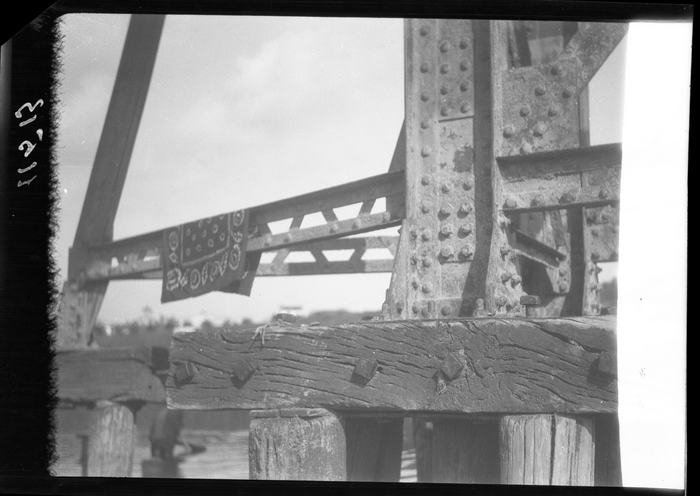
<point>27,146</point>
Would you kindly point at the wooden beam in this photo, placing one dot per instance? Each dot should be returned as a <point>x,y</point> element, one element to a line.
<point>448,366</point>
<point>119,374</point>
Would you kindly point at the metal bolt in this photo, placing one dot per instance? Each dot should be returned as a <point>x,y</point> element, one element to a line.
<point>444,68</point>
<point>357,224</point>
<point>268,241</point>
<point>425,180</point>
<point>451,366</point>
<point>243,369</point>
<point>446,230</point>
<point>444,46</point>
<point>333,228</point>
<point>595,256</point>
<point>427,287</point>
<point>425,151</point>
<point>554,70</point>
<point>465,108</point>
<point>415,308</point>
<point>414,233</point>
<point>568,92</point>
<point>365,369</point>
<point>424,31</point>
<point>446,187</point>
<point>445,210</point>
<point>464,86</point>
<point>425,67</point>
<point>526,148</point>
<point>447,252</point>
<point>604,194</point>
<point>426,236</point>
<point>466,251</point>
<point>424,313</point>
<point>399,306</point>
<point>607,364</point>
<point>445,89</point>
<point>425,96</point>
<point>446,310</point>
<point>595,231</point>
<point>537,200</point>
<point>386,217</point>
<point>515,280</point>
<point>552,111</point>
<point>505,251</point>
<point>540,129</point>
<point>425,124</point>
<point>501,301</point>
<point>415,283</point>
<point>463,43</point>
<point>425,208</point>
<point>505,277</point>
<point>465,230</point>
<point>568,197</point>
<point>184,373</point>
<point>468,184</point>
<point>539,91</point>
<point>508,131</point>
<point>563,286</point>
<point>525,110</point>
<point>445,111</point>
<point>427,262</point>
<point>465,208</point>
<point>464,65</point>
<point>510,202</point>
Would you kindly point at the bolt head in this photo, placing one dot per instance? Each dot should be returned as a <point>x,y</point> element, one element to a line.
<point>508,131</point>
<point>399,306</point>
<point>424,313</point>
<point>568,92</point>
<point>563,286</point>
<point>425,208</point>
<point>288,238</point>
<point>604,194</point>
<point>426,151</point>
<point>357,224</point>
<point>425,67</point>
<point>465,108</point>
<point>427,287</point>
<point>505,277</point>
<point>427,262</point>
<point>537,201</point>
<point>515,280</point>
<point>446,310</point>
<point>464,86</point>
<point>510,202</point>
<point>501,301</point>
<point>425,96</point>
<point>445,210</point>
<point>426,236</point>
<point>365,368</point>
<point>446,230</point>
<point>444,68</point>
<point>539,91</point>
<point>463,43</point>
<point>447,252</point>
<point>552,112</point>
<point>184,373</point>
<point>465,208</point>
<point>415,308</point>
<point>425,180</point>
<point>333,228</point>
<point>530,300</point>
<point>415,283</point>
<point>554,70</point>
<point>465,230</point>
<point>466,251</point>
<point>525,110</point>
<point>446,188</point>
<point>451,366</point>
<point>445,46</point>
<point>445,89</point>
<point>505,251</point>
<point>425,124</point>
<point>539,130</point>
<point>464,65</point>
<point>243,369</point>
<point>445,111</point>
<point>568,197</point>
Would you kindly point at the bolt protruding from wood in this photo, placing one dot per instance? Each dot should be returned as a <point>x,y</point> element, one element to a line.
<point>607,364</point>
<point>568,92</point>
<point>530,302</point>
<point>537,200</point>
<point>425,208</point>
<point>365,368</point>
<point>424,313</point>
<point>539,91</point>
<point>242,370</point>
<point>446,188</point>
<point>415,308</point>
<point>539,130</point>
<point>451,366</point>
<point>184,373</point>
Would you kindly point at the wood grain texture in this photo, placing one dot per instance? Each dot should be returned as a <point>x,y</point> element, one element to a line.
<point>510,365</point>
<point>118,374</point>
<point>465,452</point>
<point>297,448</point>
<point>374,449</point>
<point>112,441</point>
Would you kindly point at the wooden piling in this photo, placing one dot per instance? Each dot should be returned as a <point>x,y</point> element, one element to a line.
<point>547,450</point>
<point>465,451</point>
<point>112,441</point>
<point>374,447</point>
<point>297,444</point>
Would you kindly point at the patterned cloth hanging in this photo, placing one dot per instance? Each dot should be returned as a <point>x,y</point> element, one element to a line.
<point>208,255</point>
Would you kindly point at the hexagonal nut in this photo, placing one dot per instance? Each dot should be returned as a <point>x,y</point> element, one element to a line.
<point>446,230</point>
<point>365,368</point>
<point>184,373</point>
<point>607,364</point>
<point>243,369</point>
<point>451,366</point>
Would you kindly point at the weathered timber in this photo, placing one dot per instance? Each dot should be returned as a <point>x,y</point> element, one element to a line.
<point>510,365</point>
<point>374,447</point>
<point>307,446</point>
<point>112,441</point>
<point>608,464</point>
<point>118,374</point>
<point>547,450</point>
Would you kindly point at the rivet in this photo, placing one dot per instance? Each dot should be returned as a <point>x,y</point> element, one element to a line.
<point>515,280</point>
<point>537,200</point>
<point>539,91</point>
<point>445,89</point>
<point>425,180</point>
<point>424,313</point>
<point>505,277</point>
<point>288,238</point>
<point>567,197</point>
<point>469,184</point>
<point>184,373</point>
<point>427,287</point>
<point>525,110</point>
<point>333,228</point>
<point>444,46</point>
<point>563,286</point>
<point>445,111</point>
<point>386,217</point>
<point>540,129</point>
<point>568,92</point>
<point>425,151</point>
<point>415,308</point>
<point>505,251</point>
<point>465,230</point>
<point>425,96</point>
<point>553,111</point>
<point>444,68</point>
<point>554,70</point>
<point>414,232</point>
<point>445,210</point>
<point>465,108</point>
<point>463,43</point>
<point>464,86</point>
<point>465,208</point>
<point>446,230</point>
<point>425,124</point>
<point>357,224</point>
<point>508,131</point>
<point>526,148</point>
<point>501,301</point>
<point>365,369</point>
<point>467,251</point>
<point>446,310</point>
<point>427,262</point>
<point>562,271</point>
<point>424,31</point>
<point>268,241</point>
<point>447,252</point>
<point>425,67</point>
<point>425,208</point>
<point>607,364</point>
<point>243,369</point>
<point>426,236</point>
<point>604,194</point>
<point>446,188</point>
<point>464,65</point>
<point>510,202</point>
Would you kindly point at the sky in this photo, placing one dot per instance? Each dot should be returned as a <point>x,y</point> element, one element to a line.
<point>246,110</point>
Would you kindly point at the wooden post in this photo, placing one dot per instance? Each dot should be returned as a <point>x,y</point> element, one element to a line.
<point>112,441</point>
<point>374,448</point>
<point>296,444</point>
<point>547,450</point>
